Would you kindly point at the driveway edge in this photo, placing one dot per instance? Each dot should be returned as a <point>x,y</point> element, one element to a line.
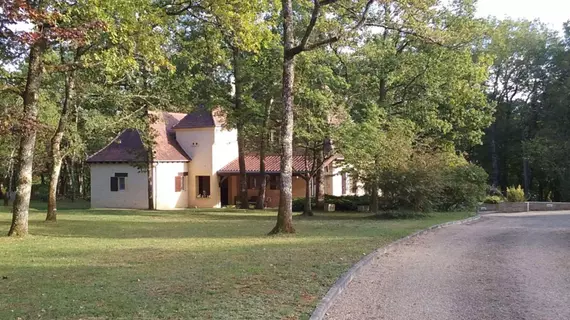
<point>341,284</point>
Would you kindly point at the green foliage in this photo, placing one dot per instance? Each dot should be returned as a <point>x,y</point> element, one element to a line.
<point>434,182</point>
<point>299,204</point>
<point>493,200</point>
<point>515,194</point>
<point>347,203</point>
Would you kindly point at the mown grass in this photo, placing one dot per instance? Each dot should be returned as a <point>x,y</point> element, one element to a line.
<point>192,264</point>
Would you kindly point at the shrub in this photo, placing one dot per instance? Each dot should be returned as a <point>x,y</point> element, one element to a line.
<point>299,204</point>
<point>493,200</point>
<point>347,203</point>
<point>515,194</point>
<point>464,187</point>
<point>443,182</point>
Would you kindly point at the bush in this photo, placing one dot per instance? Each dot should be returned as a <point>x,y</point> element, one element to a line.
<point>515,194</point>
<point>493,200</point>
<point>299,204</point>
<point>442,182</point>
<point>347,203</point>
<point>464,187</point>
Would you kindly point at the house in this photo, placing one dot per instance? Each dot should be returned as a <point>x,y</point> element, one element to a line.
<point>194,165</point>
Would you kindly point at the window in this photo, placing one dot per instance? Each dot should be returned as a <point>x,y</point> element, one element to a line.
<point>119,182</point>
<point>274,182</point>
<point>180,182</point>
<point>203,186</point>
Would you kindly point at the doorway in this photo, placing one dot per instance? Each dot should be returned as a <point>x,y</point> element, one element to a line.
<point>225,191</point>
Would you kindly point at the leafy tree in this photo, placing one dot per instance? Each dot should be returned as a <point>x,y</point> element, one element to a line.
<point>375,146</point>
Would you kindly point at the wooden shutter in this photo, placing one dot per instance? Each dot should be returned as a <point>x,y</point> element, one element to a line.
<point>177,183</point>
<point>114,184</point>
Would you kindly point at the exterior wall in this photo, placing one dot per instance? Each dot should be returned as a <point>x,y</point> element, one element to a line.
<point>333,180</point>
<point>164,182</point>
<point>134,197</point>
<point>210,150</point>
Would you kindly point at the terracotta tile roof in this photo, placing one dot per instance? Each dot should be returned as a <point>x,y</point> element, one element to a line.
<point>128,146</point>
<point>202,118</point>
<point>272,164</point>
<point>166,147</point>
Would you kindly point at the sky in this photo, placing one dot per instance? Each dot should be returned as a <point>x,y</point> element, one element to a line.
<point>551,12</point>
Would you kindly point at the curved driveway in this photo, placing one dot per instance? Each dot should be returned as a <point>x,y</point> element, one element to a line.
<point>505,266</point>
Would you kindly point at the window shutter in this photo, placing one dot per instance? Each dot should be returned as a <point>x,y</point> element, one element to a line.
<point>177,183</point>
<point>114,184</point>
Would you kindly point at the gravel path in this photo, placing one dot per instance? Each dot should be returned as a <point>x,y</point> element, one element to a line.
<point>506,266</point>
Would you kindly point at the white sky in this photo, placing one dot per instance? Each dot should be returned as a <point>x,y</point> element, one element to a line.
<point>551,12</point>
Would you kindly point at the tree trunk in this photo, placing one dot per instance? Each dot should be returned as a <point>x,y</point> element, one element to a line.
<point>10,179</point>
<point>494,156</point>
<point>25,157</point>
<point>285,214</point>
<point>55,151</point>
<point>320,188</point>
<point>238,106</point>
<point>72,185</point>
<point>244,204</point>
<point>374,198</point>
<point>80,180</point>
<point>262,146</point>
<point>263,183</point>
<point>308,210</point>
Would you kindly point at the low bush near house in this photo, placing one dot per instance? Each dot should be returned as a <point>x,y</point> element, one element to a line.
<point>493,200</point>
<point>347,203</point>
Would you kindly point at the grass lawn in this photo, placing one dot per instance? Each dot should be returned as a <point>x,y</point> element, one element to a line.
<point>193,264</point>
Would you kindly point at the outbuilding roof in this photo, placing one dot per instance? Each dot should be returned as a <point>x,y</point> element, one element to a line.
<point>128,145</point>
<point>272,164</point>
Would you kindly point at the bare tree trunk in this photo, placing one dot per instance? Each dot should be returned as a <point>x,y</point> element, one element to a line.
<point>494,156</point>
<point>80,180</point>
<point>263,183</point>
<point>10,179</point>
<point>238,106</point>
<point>320,187</point>
<point>262,146</point>
<point>308,210</point>
<point>25,158</point>
<point>55,151</point>
<point>72,179</point>
<point>244,204</point>
<point>374,198</point>
<point>285,214</point>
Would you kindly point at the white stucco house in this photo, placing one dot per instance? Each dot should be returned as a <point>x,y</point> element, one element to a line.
<point>195,166</point>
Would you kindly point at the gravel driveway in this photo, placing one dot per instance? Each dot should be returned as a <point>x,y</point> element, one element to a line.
<point>505,266</point>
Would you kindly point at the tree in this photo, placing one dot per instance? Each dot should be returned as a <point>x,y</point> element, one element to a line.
<point>375,146</point>
<point>98,50</point>
<point>523,54</point>
<point>345,20</point>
